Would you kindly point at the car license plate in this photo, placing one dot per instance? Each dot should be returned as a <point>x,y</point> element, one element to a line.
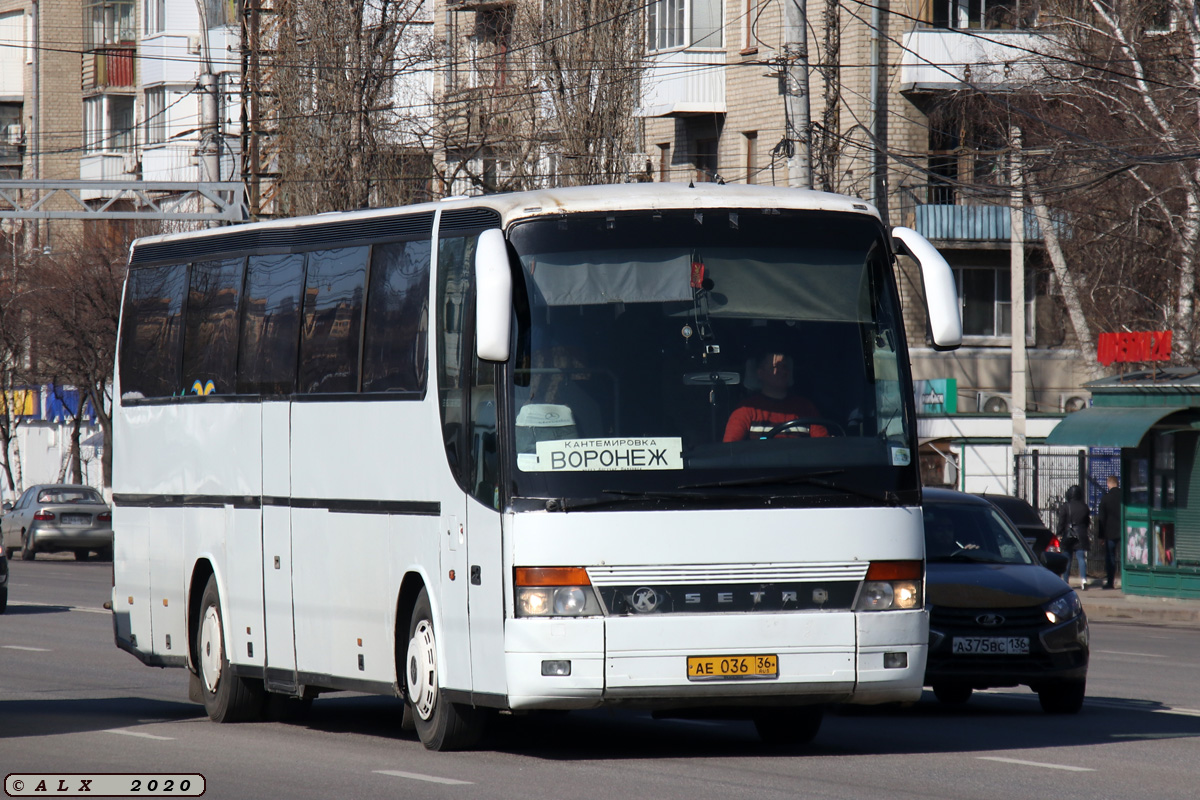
<point>712,668</point>
<point>76,519</point>
<point>991,645</point>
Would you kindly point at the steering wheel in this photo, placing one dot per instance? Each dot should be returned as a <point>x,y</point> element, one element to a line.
<point>804,422</point>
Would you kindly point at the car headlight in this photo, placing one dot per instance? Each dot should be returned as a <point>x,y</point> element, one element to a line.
<point>1063,608</point>
<point>892,586</point>
<point>555,592</point>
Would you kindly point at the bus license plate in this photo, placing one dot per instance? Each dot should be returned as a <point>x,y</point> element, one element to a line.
<point>712,668</point>
<point>991,645</point>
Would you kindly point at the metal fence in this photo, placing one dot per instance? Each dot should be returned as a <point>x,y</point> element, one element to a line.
<point>1042,480</point>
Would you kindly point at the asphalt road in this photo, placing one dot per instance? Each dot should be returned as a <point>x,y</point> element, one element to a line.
<point>71,702</point>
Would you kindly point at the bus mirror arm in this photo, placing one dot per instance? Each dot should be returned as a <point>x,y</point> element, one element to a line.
<point>941,296</point>
<point>493,296</point>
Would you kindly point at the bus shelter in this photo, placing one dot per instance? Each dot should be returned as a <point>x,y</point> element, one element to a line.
<point>1154,417</point>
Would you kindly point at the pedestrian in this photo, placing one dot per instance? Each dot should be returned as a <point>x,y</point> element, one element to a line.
<point>1108,528</point>
<point>1074,519</point>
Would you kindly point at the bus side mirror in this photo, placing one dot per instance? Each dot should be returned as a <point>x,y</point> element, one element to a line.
<point>941,298</point>
<point>493,296</point>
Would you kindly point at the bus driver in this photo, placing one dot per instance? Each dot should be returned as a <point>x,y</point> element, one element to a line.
<point>772,405</point>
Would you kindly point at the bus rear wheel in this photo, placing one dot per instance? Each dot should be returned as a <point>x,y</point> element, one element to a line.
<point>227,698</point>
<point>441,725</point>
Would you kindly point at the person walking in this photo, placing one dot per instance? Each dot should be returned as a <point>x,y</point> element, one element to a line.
<point>1108,528</point>
<point>1074,519</point>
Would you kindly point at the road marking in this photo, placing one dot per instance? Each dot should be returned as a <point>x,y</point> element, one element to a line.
<point>416,776</point>
<point>1035,764</point>
<point>69,608</point>
<point>30,649</point>
<point>1123,653</point>
<point>139,734</point>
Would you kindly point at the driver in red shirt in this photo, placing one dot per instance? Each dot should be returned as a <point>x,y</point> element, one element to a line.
<point>772,405</point>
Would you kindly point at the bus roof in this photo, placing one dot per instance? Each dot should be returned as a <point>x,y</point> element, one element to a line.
<point>569,200</point>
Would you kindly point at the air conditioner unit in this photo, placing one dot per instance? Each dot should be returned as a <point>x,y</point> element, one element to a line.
<point>12,133</point>
<point>993,403</point>
<point>1071,401</point>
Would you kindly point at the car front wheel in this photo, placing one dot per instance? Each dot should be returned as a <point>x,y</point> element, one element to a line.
<point>1062,697</point>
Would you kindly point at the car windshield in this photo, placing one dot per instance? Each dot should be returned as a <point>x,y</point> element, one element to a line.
<point>69,496</point>
<point>754,353</point>
<point>971,532</point>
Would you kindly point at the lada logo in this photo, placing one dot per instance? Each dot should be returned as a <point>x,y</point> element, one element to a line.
<point>644,600</point>
<point>990,620</point>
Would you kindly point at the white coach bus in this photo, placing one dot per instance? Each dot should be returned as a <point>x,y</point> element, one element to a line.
<point>489,453</point>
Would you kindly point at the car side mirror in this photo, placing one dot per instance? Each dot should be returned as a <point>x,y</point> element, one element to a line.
<point>7,506</point>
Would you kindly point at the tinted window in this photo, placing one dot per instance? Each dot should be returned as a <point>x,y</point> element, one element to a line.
<point>210,337</point>
<point>333,301</point>
<point>455,258</point>
<point>972,533</point>
<point>397,323</point>
<point>270,327</point>
<point>152,331</point>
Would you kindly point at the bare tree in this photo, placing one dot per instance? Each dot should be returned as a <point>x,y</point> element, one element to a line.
<point>1114,129</point>
<point>335,67</point>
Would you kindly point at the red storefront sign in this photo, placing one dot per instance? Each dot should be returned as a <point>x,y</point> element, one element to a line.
<point>1135,346</point>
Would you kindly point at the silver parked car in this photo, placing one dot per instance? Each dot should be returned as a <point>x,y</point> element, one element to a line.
<point>53,517</point>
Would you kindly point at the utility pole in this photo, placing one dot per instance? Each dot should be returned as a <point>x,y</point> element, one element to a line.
<point>1017,268</point>
<point>796,97</point>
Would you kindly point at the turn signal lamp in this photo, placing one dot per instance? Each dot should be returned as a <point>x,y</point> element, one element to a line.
<point>555,592</point>
<point>892,586</point>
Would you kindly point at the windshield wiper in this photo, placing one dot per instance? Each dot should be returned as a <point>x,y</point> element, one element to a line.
<point>617,497</point>
<point>808,478</point>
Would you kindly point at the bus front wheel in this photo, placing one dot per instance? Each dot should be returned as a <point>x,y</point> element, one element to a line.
<point>440,724</point>
<point>227,698</point>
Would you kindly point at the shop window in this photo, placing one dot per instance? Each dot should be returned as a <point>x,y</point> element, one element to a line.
<point>1163,486</point>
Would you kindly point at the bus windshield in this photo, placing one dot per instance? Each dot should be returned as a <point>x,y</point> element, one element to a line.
<point>734,356</point>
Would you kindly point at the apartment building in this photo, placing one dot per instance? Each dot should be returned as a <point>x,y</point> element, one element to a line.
<point>884,83</point>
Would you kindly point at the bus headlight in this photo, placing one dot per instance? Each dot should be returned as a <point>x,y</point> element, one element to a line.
<point>892,586</point>
<point>555,592</point>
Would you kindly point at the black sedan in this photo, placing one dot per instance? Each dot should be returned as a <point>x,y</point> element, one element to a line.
<point>998,616</point>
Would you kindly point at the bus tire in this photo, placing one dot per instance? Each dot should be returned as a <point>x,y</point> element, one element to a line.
<point>440,724</point>
<point>227,698</point>
<point>789,727</point>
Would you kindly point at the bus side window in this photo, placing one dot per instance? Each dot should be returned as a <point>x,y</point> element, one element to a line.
<point>211,327</point>
<point>270,325</point>
<point>152,331</point>
<point>397,321</point>
<point>333,303</point>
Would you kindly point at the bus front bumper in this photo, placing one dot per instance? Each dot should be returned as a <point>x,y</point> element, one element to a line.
<point>822,657</point>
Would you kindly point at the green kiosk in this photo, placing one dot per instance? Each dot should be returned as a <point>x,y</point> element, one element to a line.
<point>1154,417</point>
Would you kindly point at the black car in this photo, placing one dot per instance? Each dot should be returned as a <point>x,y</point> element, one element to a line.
<point>1039,537</point>
<point>997,615</point>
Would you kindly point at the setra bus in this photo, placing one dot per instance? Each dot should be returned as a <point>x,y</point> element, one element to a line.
<point>483,454</point>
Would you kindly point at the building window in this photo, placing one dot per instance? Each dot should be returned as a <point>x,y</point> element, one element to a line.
<point>108,123</point>
<point>753,9</point>
<point>985,298</point>
<point>751,156</point>
<point>156,115</point>
<point>705,159</point>
<point>987,14</point>
<point>108,22</point>
<point>683,23</point>
<point>154,12</point>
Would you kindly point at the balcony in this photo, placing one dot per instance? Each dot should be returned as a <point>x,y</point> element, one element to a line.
<point>941,59</point>
<point>955,216</point>
<point>109,67</point>
<point>681,83</point>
